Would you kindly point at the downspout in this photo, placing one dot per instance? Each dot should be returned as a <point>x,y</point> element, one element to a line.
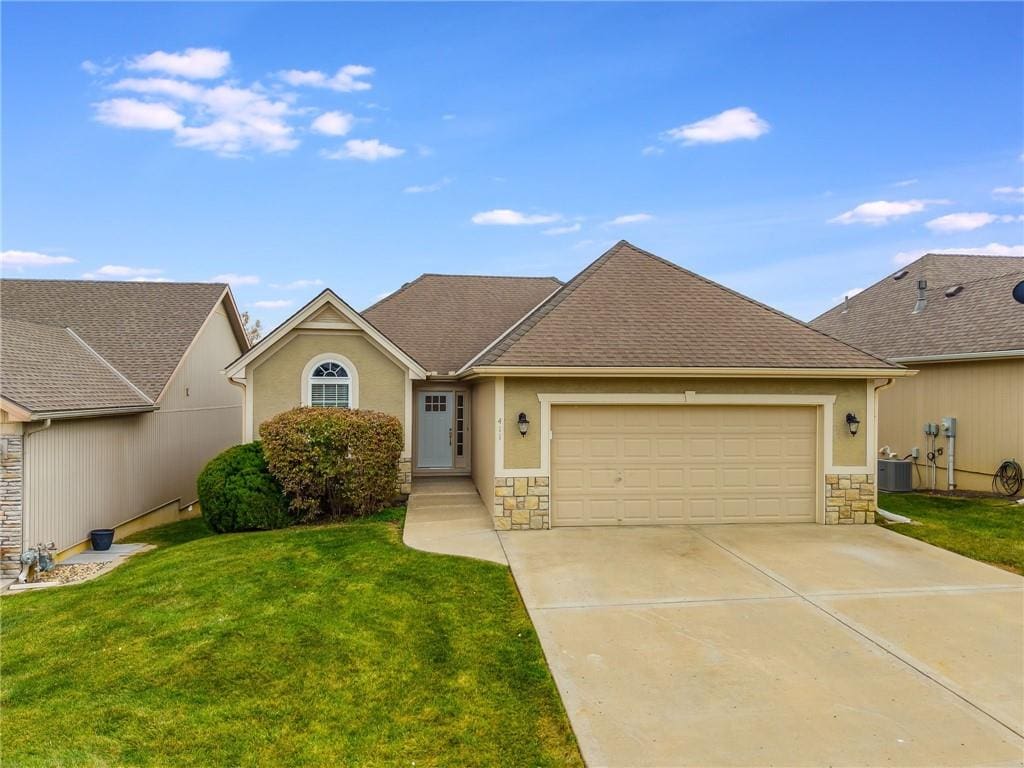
<point>46,424</point>
<point>874,430</point>
<point>950,476</point>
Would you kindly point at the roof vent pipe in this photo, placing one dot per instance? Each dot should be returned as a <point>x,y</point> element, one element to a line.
<point>922,300</point>
<point>846,304</point>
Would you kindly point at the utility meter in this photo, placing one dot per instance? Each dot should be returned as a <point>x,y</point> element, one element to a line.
<point>949,426</point>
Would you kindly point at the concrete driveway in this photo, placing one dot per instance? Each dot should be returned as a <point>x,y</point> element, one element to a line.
<point>761,645</point>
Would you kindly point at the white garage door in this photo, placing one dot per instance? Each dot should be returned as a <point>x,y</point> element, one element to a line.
<point>649,465</point>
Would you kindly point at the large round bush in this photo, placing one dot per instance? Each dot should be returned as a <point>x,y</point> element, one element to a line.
<point>238,493</point>
<point>333,460</point>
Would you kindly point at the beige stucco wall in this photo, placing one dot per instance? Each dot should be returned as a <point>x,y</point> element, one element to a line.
<point>482,445</point>
<point>276,376</point>
<point>987,399</point>
<point>82,474</point>
<point>521,395</point>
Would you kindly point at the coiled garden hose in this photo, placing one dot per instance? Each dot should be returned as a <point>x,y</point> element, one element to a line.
<point>1008,479</point>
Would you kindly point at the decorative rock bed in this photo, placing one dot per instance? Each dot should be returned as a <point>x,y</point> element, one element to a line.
<point>68,574</point>
<point>82,567</point>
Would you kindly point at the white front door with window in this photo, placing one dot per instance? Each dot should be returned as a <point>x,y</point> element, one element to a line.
<point>436,430</point>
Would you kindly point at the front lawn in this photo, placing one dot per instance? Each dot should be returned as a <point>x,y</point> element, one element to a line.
<point>987,529</point>
<point>318,646</point>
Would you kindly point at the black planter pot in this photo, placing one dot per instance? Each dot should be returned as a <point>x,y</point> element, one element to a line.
<point>101,539</point>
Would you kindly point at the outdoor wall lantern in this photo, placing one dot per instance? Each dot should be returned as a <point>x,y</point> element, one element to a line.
<point>524,424</point>
<point>853,423</point>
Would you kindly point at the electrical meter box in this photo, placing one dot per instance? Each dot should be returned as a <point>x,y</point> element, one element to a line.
<point>949,426</point>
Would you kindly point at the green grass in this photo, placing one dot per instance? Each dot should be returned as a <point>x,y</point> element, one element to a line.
<point>331,645</point>
<point>987,529</point>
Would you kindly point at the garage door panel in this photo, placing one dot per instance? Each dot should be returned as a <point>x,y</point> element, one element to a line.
<point>636,465</point>
<point>637,448</point>
<point>703,478</point>
<point>637,511</point>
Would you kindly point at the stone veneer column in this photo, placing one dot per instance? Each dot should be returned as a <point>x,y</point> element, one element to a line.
<point>11,489</point>
<point>849,499</point>
<point>404,477</point>
<point>521,503</point>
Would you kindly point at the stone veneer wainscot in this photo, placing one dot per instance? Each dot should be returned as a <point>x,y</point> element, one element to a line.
<point>11,468</point>
<point>849,499</point>
<point>521,503</point>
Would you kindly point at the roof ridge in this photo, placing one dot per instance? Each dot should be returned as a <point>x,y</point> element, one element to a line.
<point>489,277</point>
<point>755,302</point>
<point>109,282</point>
<point>860,295</point>
<point>108,364</point>
<point>968,255</point>
<point>549,304</point>
<point>405,286</point>
<point>401,289</point>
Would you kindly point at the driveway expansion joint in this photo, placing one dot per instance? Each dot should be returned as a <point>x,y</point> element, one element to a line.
<point>865,635</point>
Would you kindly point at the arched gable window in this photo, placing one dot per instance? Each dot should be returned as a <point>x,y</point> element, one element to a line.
<point>330,386</point>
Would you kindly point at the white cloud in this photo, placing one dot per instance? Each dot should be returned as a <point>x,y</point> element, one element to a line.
<point>883,211</point>
<point>144,115</point>
<point>629,218</point>
<point>903,258</point>
<point>368,150</point>
<point>961,222</point>
<point>418,189</point>
<point>97,69</point>
<point>235,279</point>
<point>225,119</point>
<point>333,123</point>
<point>566,230</point>
<point>506,217</point>
<point>161,86</point>
<point>1010,192</point>
<point>904,183</point>
<point>122,272</point>
<point>18,260</point>
<point>296,285</point>
<point>272,304</point>
<point>193,64</point>
<point>448,116</point>
<point>846,295</point>
<point>650,150</point>
<point>730,125</point>
<point>345,80</point>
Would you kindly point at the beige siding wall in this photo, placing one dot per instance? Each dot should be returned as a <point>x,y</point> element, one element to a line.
<point>987,399</point>
<point>482,425</point>
<point>98,473</point>
<point>521,395</point>
<point>277,382</point>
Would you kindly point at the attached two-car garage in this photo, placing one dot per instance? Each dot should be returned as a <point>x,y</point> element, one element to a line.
<point>675,464</point>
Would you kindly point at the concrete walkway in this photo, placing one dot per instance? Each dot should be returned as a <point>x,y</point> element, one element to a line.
<point>446,515</point>
<point>797,645</point>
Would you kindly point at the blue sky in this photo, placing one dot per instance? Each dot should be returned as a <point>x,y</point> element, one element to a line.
<point>794,152</point>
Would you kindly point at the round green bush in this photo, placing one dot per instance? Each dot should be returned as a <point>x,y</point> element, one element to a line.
<point>238,493</point>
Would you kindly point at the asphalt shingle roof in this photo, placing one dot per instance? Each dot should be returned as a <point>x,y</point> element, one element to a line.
<point>444,320</point>
<point>141,330</point>
<point>982,317</point>
<point>632,308</point>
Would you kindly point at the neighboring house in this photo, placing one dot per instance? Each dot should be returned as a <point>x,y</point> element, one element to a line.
<point>964,333</point>
<point>111,402</point>
<point>637,393</point>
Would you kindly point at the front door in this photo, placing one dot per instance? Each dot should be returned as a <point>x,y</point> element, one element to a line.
<point>434,444</point>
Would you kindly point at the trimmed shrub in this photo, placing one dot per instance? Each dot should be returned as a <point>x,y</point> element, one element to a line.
<point>238,493</point>
<point>333,460</point>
